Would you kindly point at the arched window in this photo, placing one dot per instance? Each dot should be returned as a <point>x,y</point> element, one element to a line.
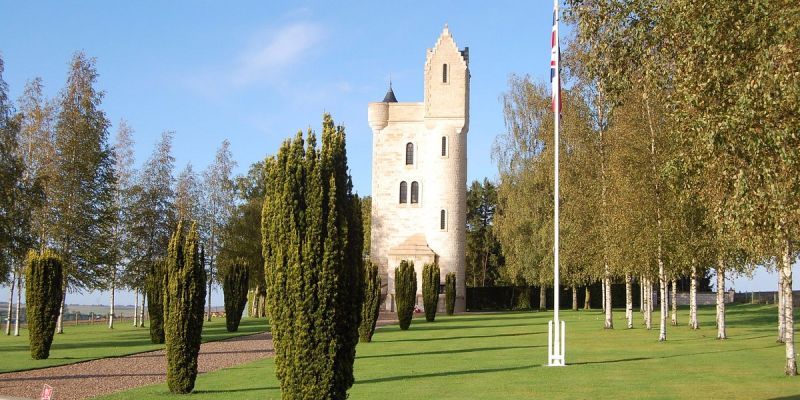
<point>409,153</point>
<point>442,220</point>
<point>414,192</point>
<point>403,192</point>
<point>444,73</point>
<point>444,146</point>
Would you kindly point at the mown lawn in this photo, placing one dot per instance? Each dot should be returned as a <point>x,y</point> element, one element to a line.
<point>86,342</point>
<point>501,356</point>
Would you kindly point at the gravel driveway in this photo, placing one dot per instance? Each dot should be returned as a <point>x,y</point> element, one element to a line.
<point>108,375</point>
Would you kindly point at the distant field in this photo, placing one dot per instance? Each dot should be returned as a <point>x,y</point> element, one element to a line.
<point>501,356</point>
<point>90,341</point>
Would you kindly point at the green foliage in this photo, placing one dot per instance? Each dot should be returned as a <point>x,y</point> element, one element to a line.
<point>484,254</point>
<point>450,293</point>
<point>43,291</point>
<point>405,289</point>
<point>154,286</point>
<point>372,302</point>
<point>430,290</point>
<point>312,241</point>
<point>235,279</point>
<point>366,218</point>
<point>184,298</point>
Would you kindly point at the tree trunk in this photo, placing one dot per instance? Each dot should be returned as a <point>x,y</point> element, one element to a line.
<point>628,300</point>
<point>141,310</point>
<point>721,298</point>
<point>693,299</point>
<point>609,322</point>
<point>60,321</point>
<point>574,298</point>
<point>603,294</point>
<point>663,302</point>
<point>16,309</point>
<point>587,300</point>
<point>210,281</point>
<point>674,302</point>
<point>543,298</point>
<point>136,307</point>
<point>648,310</point>
<point>10,304</point>
<point>485,265</point>
<point>111,303</point>
<point>788,307</point>
<point>781,309</point>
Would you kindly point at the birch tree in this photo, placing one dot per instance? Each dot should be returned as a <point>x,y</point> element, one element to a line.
<point>124,173</point>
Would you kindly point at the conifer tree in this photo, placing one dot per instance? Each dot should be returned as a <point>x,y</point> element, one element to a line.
<point>234,288</point>
<point>450,292</point>
<point>184,298</point>
<point>312,241</point>
<point>405,289</point>
<point>43,287</point>
<point>154,286</point>
<point>372,302</point>
<point>430,290</point>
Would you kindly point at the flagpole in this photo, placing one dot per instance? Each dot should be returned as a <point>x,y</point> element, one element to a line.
<point>556,326</point>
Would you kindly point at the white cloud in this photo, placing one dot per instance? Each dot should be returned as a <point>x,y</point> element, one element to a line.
<point>274,52</point>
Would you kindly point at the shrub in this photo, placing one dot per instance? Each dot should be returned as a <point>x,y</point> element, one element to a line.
<point>372,302</point>
<point>312,246</point>
<point>184,298</point>
<point>450,292</point>
<point>405,289</point>
<point>43,292</point>
<point>154,285</point>
<point>430,290</point>
<point>234,288</point>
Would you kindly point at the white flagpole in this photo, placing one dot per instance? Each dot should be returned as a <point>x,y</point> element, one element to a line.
<point>556,327</point>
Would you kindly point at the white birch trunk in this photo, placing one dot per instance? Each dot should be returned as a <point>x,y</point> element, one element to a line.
<point>210,276</point>
<point>543,298</point>
<point>587,300</point>
<point>111,302</point>
<point>648,312</point>
<point>19,300</point>
<point>603,294</point>
<point>628,301</point>
<point>674,303</point>
<point>10,304</point>
<point>693,299</point>
<point>721,298</point>
<point>141,310</point>
<point>663,302</point>
<point>788,308</point>
<point>136,307</point>
<point>60,321</point>
<point>781,309</point>
<point>609,321</point>
<point>641,294</point>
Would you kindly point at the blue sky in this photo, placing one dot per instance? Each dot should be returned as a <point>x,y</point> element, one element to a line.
<point>256,72</point>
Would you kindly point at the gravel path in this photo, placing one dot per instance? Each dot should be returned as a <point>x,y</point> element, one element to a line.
<point>108,375</point>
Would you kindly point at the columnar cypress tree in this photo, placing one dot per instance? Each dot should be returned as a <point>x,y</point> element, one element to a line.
<point>234,287</point>
<point>155,284</point>
<point>405,289</point>
<point>372,302</point>
<point>184,297</point>
<point>312,242</point>
<point>450,292</point>
<point>43,291</point>
<point>430,290</point>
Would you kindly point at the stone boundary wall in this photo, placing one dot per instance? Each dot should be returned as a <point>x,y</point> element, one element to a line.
<point>704,298</point>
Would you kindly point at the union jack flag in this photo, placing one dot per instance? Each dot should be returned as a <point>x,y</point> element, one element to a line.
<point>555,60</point>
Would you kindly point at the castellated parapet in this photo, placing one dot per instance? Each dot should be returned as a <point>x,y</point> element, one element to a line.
<point>419,173</point>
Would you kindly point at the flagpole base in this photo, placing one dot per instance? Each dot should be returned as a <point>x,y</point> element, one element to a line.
<point>555,345</point>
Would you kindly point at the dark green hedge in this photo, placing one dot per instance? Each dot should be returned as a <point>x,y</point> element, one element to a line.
<point>405,289</point>
<point>430,290</point>
<point>43,292</point>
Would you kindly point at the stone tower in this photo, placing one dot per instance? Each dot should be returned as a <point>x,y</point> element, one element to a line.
<point>419,173</point>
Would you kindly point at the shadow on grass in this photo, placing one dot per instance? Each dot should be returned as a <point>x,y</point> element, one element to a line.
<point>440,374</point>
<point>437,326</point>
<point>669,356</point>
<point>79,376</point>
<point>459,337</point>
<point>235,390</point>
<point>472,350</point>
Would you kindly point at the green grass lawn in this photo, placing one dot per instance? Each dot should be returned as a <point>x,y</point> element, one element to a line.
<point>86,342</point>
<point>501,356</point>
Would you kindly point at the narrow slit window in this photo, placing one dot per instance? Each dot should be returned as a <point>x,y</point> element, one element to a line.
<point>414,192</point>
<point>444,73</point>
<point>403,192</point>
<point>409,153</point>
<point>442,220</point>
<point>444,146</point>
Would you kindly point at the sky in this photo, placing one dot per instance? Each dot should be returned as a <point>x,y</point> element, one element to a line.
<point>256,72</point>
